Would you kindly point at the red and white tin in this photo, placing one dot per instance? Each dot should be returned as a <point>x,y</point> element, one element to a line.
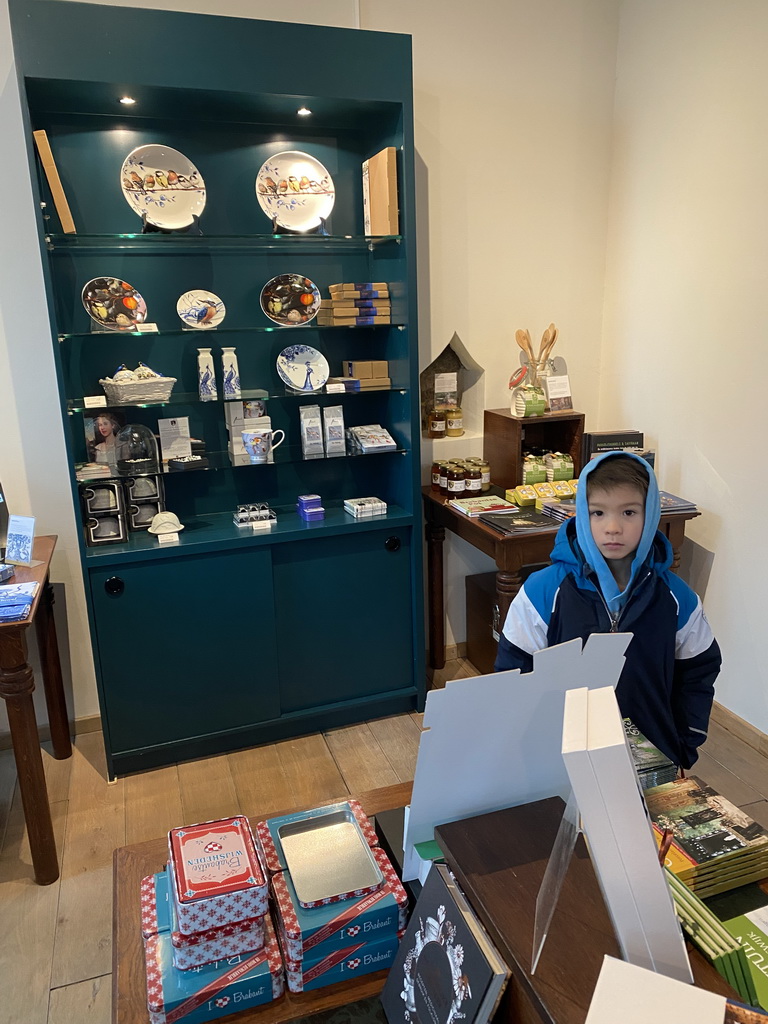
<point>217,943</point>
<point>216,874</point>
<point>269,841</point>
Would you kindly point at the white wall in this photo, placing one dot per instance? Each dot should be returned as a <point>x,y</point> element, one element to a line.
<point>686,299</point>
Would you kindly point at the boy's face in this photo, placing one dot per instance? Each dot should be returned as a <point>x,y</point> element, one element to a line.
<point>617,517</point>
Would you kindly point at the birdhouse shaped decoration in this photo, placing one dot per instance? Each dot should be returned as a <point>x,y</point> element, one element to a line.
<point>456,360</point>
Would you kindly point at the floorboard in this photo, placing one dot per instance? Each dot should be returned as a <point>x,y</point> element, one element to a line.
<point>207,790</point>
<point>311,771</point>
<point>87,1002</point>
<point>261,784</point>
<point>399,736</point>
<point>360,759</point>
<point>152,804</point>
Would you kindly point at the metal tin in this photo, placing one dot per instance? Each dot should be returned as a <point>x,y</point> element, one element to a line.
<point>328,858</point>
<point>215,990</point>
<point>309,934</point>
<point>342,964</point>
<point>269,841</point>
<point>216,874</point>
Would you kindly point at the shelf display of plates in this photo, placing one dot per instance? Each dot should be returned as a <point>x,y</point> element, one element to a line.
<point>290,300</point>
<point>163,187</point>
<point>114,304</point>
<point>201,309</point>
<point>302,368</point>
<point>295,190</point>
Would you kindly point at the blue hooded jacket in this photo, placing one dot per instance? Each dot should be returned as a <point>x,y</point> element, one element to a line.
<point>667,684</point>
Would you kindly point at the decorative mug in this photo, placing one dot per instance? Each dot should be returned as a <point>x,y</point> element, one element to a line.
<point>259,443</point>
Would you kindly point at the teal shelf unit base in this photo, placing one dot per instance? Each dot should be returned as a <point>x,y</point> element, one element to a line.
<point>229,638</point>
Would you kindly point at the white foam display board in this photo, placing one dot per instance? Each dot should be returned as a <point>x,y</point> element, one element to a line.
<point>634,995</point>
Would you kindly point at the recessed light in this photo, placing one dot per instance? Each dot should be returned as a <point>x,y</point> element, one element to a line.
<point>303,111</point>
<point>128,101</point>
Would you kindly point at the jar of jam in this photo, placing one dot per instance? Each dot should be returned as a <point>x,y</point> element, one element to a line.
<point>474,481</point>
<point>435,476</point>
<point>436,423</point>
<point>485,470</point>
<point>454,421</point>
<point>443,477</point>
<point>456,481</point>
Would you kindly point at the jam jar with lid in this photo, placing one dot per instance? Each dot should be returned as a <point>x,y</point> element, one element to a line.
<point>456,481</point>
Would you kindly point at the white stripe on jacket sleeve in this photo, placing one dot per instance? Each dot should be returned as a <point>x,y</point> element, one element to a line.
<point>695,636</point>
<point>524,627</point>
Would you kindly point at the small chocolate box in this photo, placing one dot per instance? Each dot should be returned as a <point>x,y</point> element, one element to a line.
<point>105,529</point>
<point>269,840</point>
<point>341,964</point>
<point>216,874</point>
<point>353,368</point>
<point>308,934</point>
<point>215,990</point>
<point>103,497</point>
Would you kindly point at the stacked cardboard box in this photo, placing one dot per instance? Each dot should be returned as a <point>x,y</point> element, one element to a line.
<point>356,304</point>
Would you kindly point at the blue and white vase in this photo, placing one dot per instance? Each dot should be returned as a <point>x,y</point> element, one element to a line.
<point>230,374</point>
<point>206,376</point>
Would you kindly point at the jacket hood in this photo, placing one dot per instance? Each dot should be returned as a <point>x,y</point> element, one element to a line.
<point>574,544</point>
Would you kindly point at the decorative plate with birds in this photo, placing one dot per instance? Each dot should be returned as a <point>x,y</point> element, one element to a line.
<point>302,368</point>
<point>295,190</point>
<point>114,304</point>
<point>163,186</point>
<point>201,309</point>
<point>290,300</point>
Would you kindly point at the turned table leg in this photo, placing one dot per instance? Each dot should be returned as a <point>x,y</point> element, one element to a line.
<point>436,611</point>
<point>16,686</point>
<point>507,586</point>
<point>50,663</point>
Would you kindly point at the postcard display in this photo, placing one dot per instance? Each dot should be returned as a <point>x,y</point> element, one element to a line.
<point>233,636</point>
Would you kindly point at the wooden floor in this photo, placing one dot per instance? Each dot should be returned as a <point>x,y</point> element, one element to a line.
<point>55,941</point>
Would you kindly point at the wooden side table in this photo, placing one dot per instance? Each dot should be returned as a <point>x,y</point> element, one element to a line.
<point>16,686</point>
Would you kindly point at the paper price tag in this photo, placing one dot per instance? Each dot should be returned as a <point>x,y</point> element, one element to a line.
<point>147,328</point>
<point>334,388</point>
<point>95,401</point>
<point>167,538</point>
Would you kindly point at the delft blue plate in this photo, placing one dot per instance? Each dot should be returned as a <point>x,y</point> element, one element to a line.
<point>201,309</point>
<point>302,368</point>
<point>162,185</point>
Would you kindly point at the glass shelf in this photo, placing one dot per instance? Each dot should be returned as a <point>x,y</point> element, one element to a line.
<point>203,334</point>
<point>179,244</point>
<point>192,398</point>
<point>223,460</point>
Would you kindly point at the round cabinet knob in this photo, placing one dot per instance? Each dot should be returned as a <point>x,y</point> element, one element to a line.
<point>114,586</point>
<point>392,543</point>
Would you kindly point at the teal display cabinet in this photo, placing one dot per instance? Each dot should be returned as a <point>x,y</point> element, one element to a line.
<point>231,638</point>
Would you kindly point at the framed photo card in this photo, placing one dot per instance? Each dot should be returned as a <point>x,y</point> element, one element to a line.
<point>21,537</point>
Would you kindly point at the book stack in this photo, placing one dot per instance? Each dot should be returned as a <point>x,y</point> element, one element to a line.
<point>560,509</point>
<point>356,304</point>
<point>713,939</point>
<point>715,845</point>
<point>743,913</point>
<point>369,439</point>
<point>16,601</point>
<point>486,503</point>
<point>209,944</point>
<point>671,504</point>
<point>93,471</point>
<point>447,968</point>
<point>653,768</point>
<point>339,935</point>
<point>364,508</point>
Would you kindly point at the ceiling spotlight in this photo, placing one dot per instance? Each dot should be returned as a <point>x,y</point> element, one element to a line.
<point>303,111</point>
<point>128,101</point>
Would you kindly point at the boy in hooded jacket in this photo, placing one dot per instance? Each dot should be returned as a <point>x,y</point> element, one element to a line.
<point>611,572</point>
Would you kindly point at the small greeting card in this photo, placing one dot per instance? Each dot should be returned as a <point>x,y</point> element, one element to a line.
<point>21,536</point>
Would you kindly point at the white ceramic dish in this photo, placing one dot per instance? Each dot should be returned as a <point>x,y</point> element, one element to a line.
<point>162,185</point>
<point>114,304</point>
<point>302,368</point>
<point>200,309</point>
<point>290,300</point>
<point>295,190</point>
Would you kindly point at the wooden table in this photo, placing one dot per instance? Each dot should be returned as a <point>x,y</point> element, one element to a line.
<point>499,861</point>
<point>511,554</point>
<point>17,684</point>
<point>129,986</point>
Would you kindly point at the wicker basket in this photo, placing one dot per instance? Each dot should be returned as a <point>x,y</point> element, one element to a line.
<point>136,392</point>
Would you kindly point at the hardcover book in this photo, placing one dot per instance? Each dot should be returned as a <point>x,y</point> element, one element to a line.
<point>485,503</point>
<point>446,968</point>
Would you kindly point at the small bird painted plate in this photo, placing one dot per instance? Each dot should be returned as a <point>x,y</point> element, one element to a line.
<point>201,309</point>
<point>114,304</point>
<point>163,186</point>
<point>290,300</point>
<point>295,190</point>
<point>302,368</point>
